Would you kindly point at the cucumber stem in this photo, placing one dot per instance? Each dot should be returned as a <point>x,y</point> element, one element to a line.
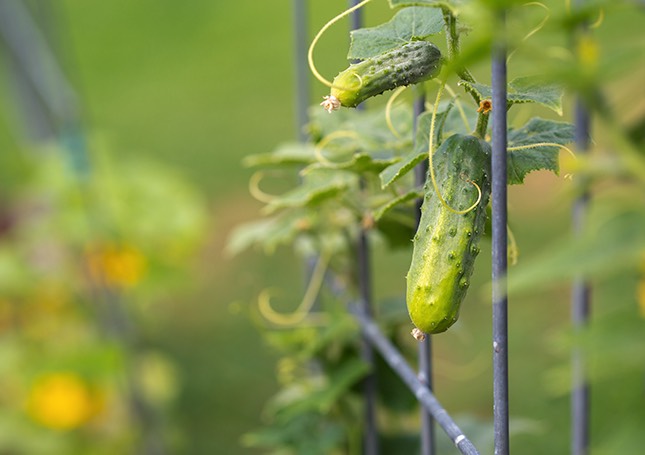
<point>452,38</point>
<point>482,125</point>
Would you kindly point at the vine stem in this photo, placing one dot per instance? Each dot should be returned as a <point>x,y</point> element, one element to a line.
<point>452,38</point>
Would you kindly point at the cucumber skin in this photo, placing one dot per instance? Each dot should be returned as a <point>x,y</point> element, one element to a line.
<point>445,245</point>
<point>409,64</point>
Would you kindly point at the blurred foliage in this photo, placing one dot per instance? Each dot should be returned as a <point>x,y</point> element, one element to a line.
<point>80,259</point>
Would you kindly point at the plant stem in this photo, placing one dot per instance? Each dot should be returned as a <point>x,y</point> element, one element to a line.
<point>452,38</point>
<point>482,125</point>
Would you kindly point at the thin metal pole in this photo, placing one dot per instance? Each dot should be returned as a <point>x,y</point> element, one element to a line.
<point>499,257</point>
<point>370,434</point>
<point>301,39</point>
<point>427,399</point>
<point>580,298</point>
<point>425,347</point>
<point>30,49</point>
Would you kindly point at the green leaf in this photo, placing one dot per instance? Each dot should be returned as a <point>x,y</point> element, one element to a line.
<point>452,5</point>
<point>404,198</point>
<point>611,243</point>
<point>407,25</point>
<point>317,186</point>
<point>285,155</point>
<point>374,135</point>
<point>394,172</point>
<point>318,394</point>
<point>268,233</point>
<point>526,90</point>
<point>360,163</point>
<point>537,130</point>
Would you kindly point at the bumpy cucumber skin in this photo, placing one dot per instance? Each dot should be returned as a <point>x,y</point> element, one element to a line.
<point>411,63</point>
<point>446,243</point>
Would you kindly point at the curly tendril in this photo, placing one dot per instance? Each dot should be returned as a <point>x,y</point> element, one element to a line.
<point>256,192</point>
<point>388,111</point>
<point>324,142</point>
<point>303,311</point>
<point>310,53</point>
<point>536,29</point>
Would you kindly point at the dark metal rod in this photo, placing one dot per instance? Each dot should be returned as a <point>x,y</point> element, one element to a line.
<point>428,446</point>
<point>370,434</point>
<point>397,362</point>
<point>301,39</point>
<point>28,46</point>
<point>499,257</point>
<point>580,300</point>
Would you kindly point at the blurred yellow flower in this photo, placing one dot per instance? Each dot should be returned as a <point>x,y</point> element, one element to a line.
<point>61,401</point>
<point>588,52</point>
<point>117,266</point>
<point>640,295</point>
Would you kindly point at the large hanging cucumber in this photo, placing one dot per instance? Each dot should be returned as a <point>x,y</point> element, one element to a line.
<point>411,63</point>
<point>446,243</point>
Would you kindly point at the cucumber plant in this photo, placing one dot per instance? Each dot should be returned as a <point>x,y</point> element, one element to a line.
<point>356,174</point>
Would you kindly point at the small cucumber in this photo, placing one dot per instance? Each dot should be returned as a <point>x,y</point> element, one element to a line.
<point>411,63</point>
<point>445,245</point>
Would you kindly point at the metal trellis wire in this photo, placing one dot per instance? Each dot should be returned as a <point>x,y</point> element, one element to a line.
<point>580,296</point>
<point>499,253</point>
<point>370,436</point>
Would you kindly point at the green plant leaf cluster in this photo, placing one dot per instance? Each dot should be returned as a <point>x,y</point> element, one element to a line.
<point>407,25</point>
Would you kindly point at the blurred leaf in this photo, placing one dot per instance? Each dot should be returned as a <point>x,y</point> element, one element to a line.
<point>294,436</point>
<point>370,126</point>
<point>398,227</point>
<point>296,154</point>
<point>462,119</point>
<point>452,5</point>
<point>537,130</point>
<point>268,233</point>
<point>359,163</point>
<point>317,186</point>
<point>321,395</point>
<point>341,331</point>
<point>608,245</point>
<point>407,25</point>
<point>421,146</point>
<point>403,199</point>
<point>527,89</point>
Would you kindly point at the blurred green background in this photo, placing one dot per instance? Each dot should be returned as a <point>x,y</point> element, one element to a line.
<point>199,85</point>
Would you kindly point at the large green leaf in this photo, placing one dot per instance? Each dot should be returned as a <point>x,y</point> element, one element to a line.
<point>359,163</point>
<point>525,90</point>
<point>406,25</point>
<point>452,5</point>
<point>536,131</point>
<point>268,233</point>
<point>402,199</point>
<point>394,172</point>
<point>317,186</point>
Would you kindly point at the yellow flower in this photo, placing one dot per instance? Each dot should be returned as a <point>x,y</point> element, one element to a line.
<point>61,401</point>
<point>117,266</point>
<point>640,295</point>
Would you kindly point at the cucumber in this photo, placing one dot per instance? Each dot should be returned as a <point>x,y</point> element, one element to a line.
<point>446,243</point>
<point>411,63</point>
